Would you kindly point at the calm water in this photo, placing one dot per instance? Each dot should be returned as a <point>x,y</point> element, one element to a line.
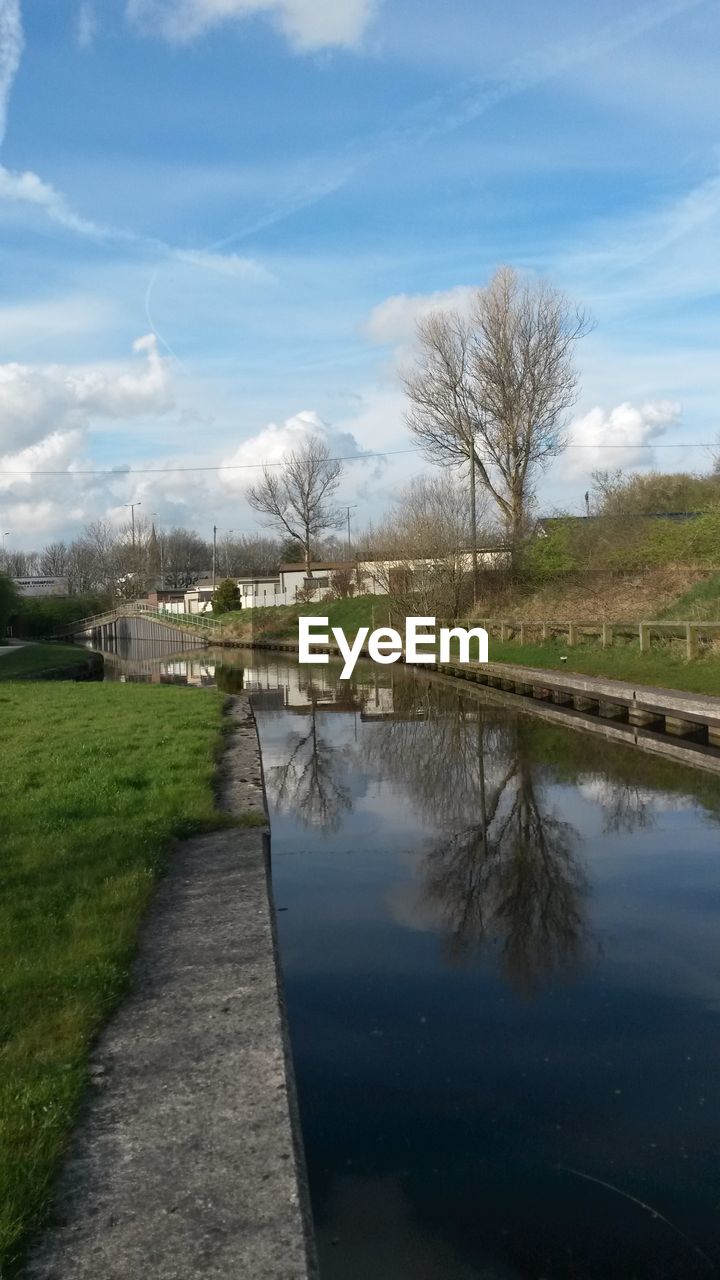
<point>501,948</point>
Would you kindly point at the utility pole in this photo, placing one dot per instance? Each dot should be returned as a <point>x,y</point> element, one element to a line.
<point>352,507</point>
<point>5,535</point>
<point>132,506</point>
<point>214,554</point>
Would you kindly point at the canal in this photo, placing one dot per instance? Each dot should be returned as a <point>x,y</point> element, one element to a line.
<point>501,955</point>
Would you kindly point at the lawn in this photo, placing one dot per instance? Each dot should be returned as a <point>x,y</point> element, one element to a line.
<point>280,622</point>
<point>97,782</point>
<point>664,665</point>
<point>35,659</point>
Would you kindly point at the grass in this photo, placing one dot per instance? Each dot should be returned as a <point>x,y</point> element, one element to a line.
<point>36,659</point>
<point>279,622</point>
<point>664,665</point>
<point>97,782</point>
<point>701,603</point>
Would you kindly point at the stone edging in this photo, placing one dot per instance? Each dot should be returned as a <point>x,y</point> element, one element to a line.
<point>187,1160</point>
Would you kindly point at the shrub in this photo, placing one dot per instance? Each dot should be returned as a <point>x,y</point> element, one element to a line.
<point>46,615</point>
<point>226,597</point>
<point>9,600</point>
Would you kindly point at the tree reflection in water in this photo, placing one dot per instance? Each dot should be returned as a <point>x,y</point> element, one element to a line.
<point>506,875</point>
<point>307,783</point>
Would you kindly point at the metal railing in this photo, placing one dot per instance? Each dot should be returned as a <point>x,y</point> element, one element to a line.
<point>139,609</point>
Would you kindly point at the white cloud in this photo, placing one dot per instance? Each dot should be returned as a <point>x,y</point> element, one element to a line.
<point>307,24</point>
<point>11,47</point>
<point>38,402</point>
<point>86,26</point>
<point>393,321</point>
<point>28,188</point>
<point>275,441</point>
<point>622,437</point>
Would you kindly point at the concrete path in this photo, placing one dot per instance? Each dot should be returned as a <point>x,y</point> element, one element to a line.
<point>186,1162</point>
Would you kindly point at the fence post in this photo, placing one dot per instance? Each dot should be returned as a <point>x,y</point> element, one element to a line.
<point>544,633</point>
<point>644,637</point>
<point>572,635</point>
<point>522,632</point>
<point>502,632</point>
<point>691,640</point>
<point>607,635</point>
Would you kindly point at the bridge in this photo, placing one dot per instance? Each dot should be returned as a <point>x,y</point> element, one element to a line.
<point>135,620</point>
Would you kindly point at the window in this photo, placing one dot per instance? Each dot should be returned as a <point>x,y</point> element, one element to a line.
<point>313,584</point>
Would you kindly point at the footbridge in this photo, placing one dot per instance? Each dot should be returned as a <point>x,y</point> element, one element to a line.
<point>135,620</point>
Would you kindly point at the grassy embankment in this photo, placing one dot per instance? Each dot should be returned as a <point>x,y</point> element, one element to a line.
<point>665,665</point>
<point>40,659</point>
<point>98,780</point>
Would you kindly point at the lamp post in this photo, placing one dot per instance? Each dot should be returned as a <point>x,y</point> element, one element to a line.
<point>216,531</point>
<point>132,506</point>
<point>227,557</point>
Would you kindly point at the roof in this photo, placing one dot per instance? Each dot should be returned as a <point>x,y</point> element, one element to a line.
<point>676,516</point>
<point>298,566</point>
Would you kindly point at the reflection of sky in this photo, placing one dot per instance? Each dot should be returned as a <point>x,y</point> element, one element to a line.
<point>444,1109</point>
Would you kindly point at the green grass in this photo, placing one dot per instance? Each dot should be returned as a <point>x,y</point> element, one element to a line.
<point>701,603</point>
<point>280,622</point>
<point>35,659</point>
<point>664,665</point>
<point>97,782</point>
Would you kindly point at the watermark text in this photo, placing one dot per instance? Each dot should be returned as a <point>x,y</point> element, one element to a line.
<point>385,645</point>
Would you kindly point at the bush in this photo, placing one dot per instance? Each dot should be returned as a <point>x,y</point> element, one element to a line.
<point>46,615</point>
<point>226,597</point>
<point>9,599</point>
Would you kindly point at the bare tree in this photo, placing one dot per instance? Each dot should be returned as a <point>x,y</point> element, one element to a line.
<point>185,555</point>
<point>491,391</point>
<point>54,560</point>
<point>296,498</point>
<point>421,548</point>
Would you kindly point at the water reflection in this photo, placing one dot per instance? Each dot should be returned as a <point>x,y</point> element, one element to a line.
<point>309,782</point>
<point>502,966</point>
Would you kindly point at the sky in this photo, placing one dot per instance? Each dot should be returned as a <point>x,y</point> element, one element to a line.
<point>221,219</point>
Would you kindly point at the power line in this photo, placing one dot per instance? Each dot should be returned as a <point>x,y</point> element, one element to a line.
<point>118,472</point>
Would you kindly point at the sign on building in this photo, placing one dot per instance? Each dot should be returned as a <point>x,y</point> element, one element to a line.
<point>42,586</point>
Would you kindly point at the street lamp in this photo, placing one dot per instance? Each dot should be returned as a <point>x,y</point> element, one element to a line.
<point>227,558</point>
<point>216,530</point>
<point>132,506</point>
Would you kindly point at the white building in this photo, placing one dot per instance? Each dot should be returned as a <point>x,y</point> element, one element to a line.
<point>368,577</point>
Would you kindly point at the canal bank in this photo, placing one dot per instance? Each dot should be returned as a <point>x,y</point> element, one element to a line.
<point>187,1159</point>
<point>31,660</point>
<point>670,722</point>
<point>500,958</point>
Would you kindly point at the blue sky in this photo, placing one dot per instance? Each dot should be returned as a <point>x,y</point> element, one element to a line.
<point>262,196</point>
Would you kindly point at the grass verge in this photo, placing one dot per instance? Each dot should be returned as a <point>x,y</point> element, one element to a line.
<point>36,659</point>
<point>280,622</point>
<point>663,665</point>
<point>97,782</point>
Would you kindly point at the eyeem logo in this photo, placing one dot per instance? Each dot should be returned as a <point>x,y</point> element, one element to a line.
<point>385,644</point>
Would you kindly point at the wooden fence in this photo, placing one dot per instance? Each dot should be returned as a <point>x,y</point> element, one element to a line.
<point>606,632</point>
